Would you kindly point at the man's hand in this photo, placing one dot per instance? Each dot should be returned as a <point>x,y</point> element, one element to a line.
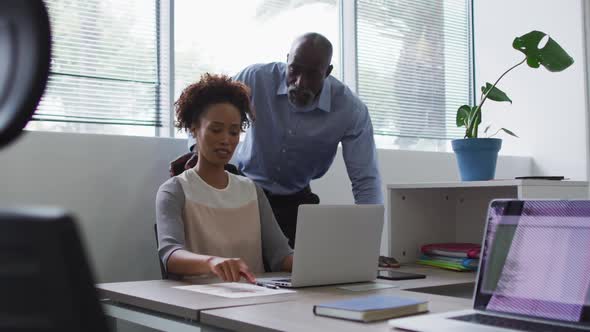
<point>230,269</point>
<point>182,163</point>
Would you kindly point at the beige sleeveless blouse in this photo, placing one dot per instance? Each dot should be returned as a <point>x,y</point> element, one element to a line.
<point>222,222</point>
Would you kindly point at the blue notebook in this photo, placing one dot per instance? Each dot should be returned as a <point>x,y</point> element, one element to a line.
<point>371,308</point>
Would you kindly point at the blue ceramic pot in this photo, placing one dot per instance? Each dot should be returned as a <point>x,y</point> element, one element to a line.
<point>477,157</point>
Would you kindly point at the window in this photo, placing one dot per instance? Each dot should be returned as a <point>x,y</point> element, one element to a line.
<point>105,73</point>
<point>414,69</point>
<point>118,65</point>
<point>236,33</point>
<point>226,41</point>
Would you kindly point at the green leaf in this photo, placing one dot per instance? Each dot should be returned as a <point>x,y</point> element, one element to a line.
<point>509,132</point>
<point>551,56</point>
<point>473,122</point>
<point>495,94</point>
<point>463,115</point>
<point>472,116</point>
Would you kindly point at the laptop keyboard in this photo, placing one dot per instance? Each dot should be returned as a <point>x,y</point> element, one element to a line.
<point>515,324</point>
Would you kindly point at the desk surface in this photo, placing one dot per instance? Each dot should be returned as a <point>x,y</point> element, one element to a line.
<point>161,296</point>
<point>278,312</point>
<point>298,315</point>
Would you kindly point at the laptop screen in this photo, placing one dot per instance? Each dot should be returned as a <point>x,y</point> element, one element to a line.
<point>536,260</point>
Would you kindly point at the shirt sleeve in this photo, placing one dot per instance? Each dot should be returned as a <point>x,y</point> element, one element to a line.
<point>275,245</point>
<point>169,205</point>
<point>245,75</point>
<point>360,158</point>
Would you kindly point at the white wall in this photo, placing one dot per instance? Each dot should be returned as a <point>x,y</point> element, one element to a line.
<point>110,183</point>
<point>549,109</point>
<point>408,167</point>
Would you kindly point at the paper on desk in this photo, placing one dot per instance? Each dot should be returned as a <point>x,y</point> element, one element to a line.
<point>234,290</point>
<point>367,287</point>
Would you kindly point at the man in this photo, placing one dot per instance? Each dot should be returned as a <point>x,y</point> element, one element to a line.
<point>302,114</point>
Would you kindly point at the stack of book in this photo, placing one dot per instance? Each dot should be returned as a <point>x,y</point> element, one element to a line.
<point>451,256</point>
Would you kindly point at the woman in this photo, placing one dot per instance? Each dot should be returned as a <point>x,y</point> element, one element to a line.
<point>209,220</point>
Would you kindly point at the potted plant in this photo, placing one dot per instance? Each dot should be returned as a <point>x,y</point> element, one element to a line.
<point>476,157</point>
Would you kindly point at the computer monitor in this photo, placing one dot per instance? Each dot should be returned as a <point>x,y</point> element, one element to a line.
<point>45,281</point>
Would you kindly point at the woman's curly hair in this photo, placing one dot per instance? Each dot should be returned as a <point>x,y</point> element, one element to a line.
<point>211,89</point>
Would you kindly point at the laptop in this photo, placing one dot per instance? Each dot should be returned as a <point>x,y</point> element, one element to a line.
<point>335,244</point>
<point>534,272</point>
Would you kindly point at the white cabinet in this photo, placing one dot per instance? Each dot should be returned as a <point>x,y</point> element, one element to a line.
<point>422,213</point>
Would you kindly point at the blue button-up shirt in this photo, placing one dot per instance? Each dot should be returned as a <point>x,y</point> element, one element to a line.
<point>286,147</point>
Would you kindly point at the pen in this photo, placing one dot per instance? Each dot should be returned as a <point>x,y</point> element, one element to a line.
<point>267,285</point>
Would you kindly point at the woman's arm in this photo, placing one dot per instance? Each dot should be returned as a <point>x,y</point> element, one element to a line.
<point>169,205</point>
<point>287,264</point>
<point>184,262</point>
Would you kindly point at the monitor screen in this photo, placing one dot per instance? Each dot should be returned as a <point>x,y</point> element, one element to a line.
<point>536,260</point>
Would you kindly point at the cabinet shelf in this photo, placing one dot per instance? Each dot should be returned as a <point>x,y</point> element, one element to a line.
<point>422,213</point>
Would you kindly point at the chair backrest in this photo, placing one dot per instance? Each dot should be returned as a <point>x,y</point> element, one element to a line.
<point>162,268</point>
<point>46,283</point>
<point>232,169</point>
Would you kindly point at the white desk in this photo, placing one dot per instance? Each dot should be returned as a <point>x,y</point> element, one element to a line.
<point>157,305</point>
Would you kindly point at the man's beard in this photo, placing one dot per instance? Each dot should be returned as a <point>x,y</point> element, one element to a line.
<point>301,98</point>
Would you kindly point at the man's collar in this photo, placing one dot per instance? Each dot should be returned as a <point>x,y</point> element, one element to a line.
<point>282,88</point>
<point>324,102</point>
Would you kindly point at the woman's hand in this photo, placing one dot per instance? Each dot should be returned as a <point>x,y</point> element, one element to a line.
<point>287,265</point>
<point>230,269</point>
